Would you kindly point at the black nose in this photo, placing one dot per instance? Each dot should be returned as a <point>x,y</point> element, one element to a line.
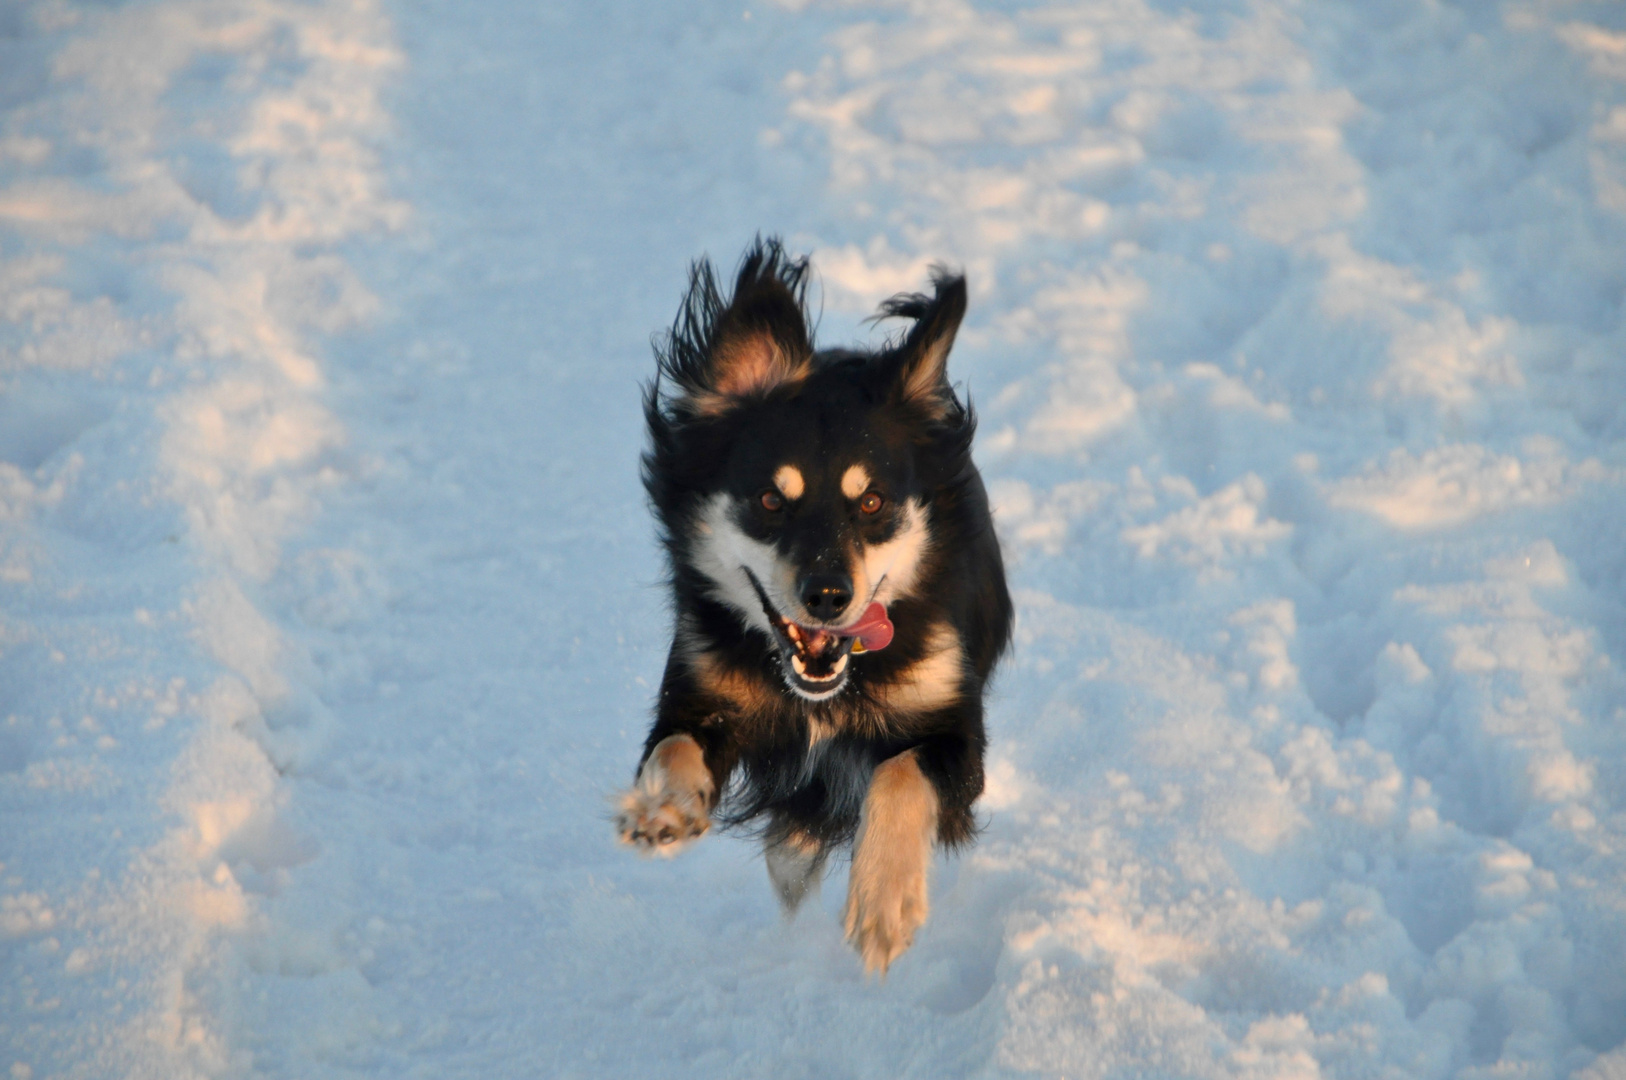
<point>826,595</point>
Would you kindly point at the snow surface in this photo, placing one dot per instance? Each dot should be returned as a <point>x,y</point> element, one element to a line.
<point>329,610</point>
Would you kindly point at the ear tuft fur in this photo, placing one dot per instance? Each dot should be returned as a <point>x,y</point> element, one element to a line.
<point>922,377</point>
<point>718,354</point>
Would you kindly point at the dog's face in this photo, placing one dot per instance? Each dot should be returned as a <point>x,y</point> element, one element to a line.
<point>805,480</point>
<point>818,517</point>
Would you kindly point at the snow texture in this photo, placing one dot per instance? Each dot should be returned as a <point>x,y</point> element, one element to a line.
<point>330,610</point>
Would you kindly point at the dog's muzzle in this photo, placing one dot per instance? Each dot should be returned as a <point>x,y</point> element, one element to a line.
<point>815,659</point>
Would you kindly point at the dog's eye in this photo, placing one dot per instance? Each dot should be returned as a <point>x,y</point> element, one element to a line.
<point>772,500</point>
<point>871,503</point>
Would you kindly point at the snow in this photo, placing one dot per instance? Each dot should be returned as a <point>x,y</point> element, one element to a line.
<point>331,611</point>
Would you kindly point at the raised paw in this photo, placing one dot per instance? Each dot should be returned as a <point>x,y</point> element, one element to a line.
<point>660,822</point>
<point>666,809</point>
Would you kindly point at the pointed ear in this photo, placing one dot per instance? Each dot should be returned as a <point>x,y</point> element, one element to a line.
<point>922,374</point>
<point>753,355</point>
<point>722,354</point>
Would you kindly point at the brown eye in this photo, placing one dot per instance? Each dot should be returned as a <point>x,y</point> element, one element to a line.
<point>871,502</point>
<point>772,500</point>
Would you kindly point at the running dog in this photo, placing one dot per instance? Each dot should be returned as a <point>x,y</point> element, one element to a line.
<point>839,594</point>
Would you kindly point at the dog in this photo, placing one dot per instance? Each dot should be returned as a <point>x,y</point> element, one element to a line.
<point>839,594</point>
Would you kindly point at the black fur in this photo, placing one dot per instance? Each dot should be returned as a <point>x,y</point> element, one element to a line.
<point>901,416</point>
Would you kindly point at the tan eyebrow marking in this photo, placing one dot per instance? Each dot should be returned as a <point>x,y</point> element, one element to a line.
<point>789,481</point>
<point>855,481</point>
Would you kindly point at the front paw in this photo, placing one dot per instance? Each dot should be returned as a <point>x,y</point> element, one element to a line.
<point>885,906</point>
<point>660,822</point>
<point>666,808</point>
<point>886,891</point>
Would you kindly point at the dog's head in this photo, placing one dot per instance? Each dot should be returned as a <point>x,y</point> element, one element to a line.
<point>796,488</point>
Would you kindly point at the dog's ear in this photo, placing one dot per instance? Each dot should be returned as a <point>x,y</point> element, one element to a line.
<point>722,354</point>
<point>921,375</point>
<point>760,341</point>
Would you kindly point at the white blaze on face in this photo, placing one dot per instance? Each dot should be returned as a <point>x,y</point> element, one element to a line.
<point>722,552</point>
<point>882,572</point>
<point>894,566</point>
<point>789,482</point>
<point>855,481</point>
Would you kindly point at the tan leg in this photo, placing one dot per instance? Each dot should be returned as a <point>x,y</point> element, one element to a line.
<point>795,866</point>
<point>886,896</point>
<point>666,808</point>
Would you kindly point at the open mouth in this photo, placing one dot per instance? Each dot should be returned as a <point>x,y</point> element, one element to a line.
<point>814,658</point>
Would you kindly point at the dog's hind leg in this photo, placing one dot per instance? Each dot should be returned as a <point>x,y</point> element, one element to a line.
<point>886,894</point>
<point>795,866</point>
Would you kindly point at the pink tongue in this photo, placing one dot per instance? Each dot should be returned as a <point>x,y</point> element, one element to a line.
<point>874,629</point>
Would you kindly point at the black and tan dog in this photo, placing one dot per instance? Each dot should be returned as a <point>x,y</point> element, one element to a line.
<point>840,598</point>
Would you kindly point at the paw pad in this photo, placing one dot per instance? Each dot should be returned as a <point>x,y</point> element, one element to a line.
<point>660,822</point>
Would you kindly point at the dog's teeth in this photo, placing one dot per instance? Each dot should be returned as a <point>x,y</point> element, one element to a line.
<point>801,668</point>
